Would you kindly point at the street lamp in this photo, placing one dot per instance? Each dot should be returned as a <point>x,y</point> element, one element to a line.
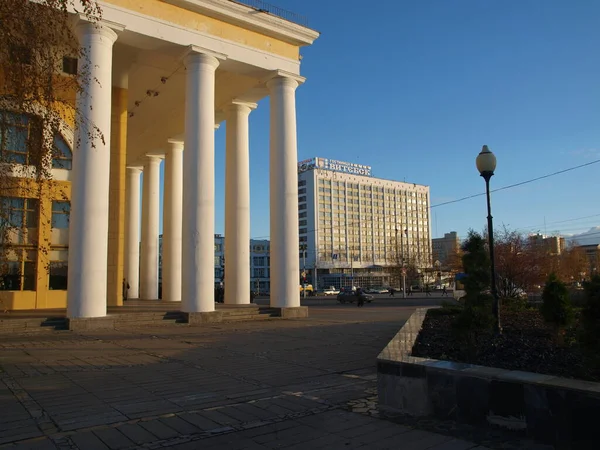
<point>303,249</point>
<point>486,164</point>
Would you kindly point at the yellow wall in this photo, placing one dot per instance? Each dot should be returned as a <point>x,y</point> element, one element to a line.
<point>116,224</point>
<point>194,21</point>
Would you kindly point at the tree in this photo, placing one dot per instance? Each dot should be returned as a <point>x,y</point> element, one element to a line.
<point>572,263</point>
<point>476,264</point>
<point>41,71</point>
<point>521,264</point>
<point>556,309</point>
<point>590,316</point>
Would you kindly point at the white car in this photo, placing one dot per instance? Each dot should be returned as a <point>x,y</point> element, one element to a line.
<point>331,291</point>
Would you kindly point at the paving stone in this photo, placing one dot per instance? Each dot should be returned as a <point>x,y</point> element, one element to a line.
<point>44,444</point>
<point>180,425</point>
<point>113,438</point>
<point>455,444</point>
<point>136,433</point>
<point>159,429</point>
<point>87,440</point>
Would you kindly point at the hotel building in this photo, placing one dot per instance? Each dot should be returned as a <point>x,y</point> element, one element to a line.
<point>357,227</point>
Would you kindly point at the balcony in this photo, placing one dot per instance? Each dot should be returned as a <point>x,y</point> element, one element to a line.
<point>267,8</point>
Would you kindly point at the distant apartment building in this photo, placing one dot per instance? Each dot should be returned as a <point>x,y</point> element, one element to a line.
<point>592,252</point>
<point>445,248</point>
<point>554,245</point>
<point>259,263</point>
<point>357,227</point>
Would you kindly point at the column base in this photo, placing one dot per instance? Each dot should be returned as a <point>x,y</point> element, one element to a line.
<point>198,318</point>
<point>295,312</point>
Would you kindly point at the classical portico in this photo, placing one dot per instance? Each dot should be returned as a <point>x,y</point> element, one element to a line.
<point>183,81</point>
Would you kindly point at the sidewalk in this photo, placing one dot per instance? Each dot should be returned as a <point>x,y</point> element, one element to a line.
<point>295,384</point>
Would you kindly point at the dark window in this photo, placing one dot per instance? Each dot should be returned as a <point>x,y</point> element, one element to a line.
<point>17,271</point>
<point>62,158</point>
<point>302,215</point>
<point>302,199</point>
<point>302,230</point>
<point>18,134</point>
<point>69,65</point>
<point>58,275</point>
<point>60,214</point>
<point>302,207</point>
<point>302,183</point>
<point>302,223</point>
<point>19,212</point>
<point>302,191</point>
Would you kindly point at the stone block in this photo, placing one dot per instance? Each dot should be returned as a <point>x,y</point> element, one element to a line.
<point>507,405</point>
<point>441,391</point>
<point>472,399</point>
<point>297,312</point>
<point>91,323</point>
<point>198,318</point>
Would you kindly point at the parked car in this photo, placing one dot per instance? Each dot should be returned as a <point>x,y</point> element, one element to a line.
<point>351,297</point>
<point>331,290</point>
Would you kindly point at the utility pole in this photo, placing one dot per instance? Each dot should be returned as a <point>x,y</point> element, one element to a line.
<point>403,265</point>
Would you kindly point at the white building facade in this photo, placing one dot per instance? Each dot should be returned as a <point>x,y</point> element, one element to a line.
<point>356,227</point>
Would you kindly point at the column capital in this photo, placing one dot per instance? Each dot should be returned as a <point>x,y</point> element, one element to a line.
<point>283,78</point>
<point>175,144</point>
<point>195,55</point>
<point>103,28</point>
<point>154,158</point>
<point>135,168</point>
<point>239,105</point>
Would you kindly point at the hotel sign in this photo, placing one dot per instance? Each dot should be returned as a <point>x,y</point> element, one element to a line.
<point>334,165</point>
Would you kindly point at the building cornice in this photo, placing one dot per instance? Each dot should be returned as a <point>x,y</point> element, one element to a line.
<point>247,17</point>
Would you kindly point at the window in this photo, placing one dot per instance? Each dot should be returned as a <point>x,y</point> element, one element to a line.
<point>58,270</point>
<point>69,65</point>
<point>302,215</point>
<point>302,223</point>
<point>217,261</point>
<point>18,133</point>
<point>17,270</point>
<point>62,158</point>
<point>302,230</point>
<point>302,191</point>
<point>302,183</point>
<point>60,214</point>
<point>302,199</point>
<point>259,273</point>
<point>258,261</point>
<point>302,207</point>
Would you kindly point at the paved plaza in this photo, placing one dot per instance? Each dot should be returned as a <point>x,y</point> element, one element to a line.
<point>294,384</point>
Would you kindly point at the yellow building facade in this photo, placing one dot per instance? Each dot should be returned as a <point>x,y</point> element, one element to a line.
<point>167,72</point>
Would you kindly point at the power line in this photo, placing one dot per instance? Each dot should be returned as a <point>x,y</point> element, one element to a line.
<point>521,183</point>
<point>518,184</point>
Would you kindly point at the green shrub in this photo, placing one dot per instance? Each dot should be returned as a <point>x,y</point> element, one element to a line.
<point>556,307</point>
<point>515,304</point>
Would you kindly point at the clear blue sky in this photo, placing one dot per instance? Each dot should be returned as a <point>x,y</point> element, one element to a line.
<point>415,88</point>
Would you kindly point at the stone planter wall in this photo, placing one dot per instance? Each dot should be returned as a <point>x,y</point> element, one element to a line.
<point>553,410</point>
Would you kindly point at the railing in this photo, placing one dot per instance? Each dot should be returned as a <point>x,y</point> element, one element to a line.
<point>264,7</point>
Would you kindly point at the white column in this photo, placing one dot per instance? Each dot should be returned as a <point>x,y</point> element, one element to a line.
<point>172,210</point>
<point>283,171</point>
<point>132,232</point>
<point>88,235</point>
<point>150,218</point>
<point>198,277</point>
<point>237,205</point>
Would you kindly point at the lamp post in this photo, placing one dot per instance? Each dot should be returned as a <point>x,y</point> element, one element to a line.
<point>486,164</point>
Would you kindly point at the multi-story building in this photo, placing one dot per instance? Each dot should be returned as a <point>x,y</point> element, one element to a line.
<point>259,264</point>
<point>445,248</point>
<point>357,227</point>
<point>553,244</point>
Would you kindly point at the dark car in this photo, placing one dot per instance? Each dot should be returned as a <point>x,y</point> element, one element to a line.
<point>351,297</point>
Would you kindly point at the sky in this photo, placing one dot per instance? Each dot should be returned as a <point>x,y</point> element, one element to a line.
<point>414,88</point>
